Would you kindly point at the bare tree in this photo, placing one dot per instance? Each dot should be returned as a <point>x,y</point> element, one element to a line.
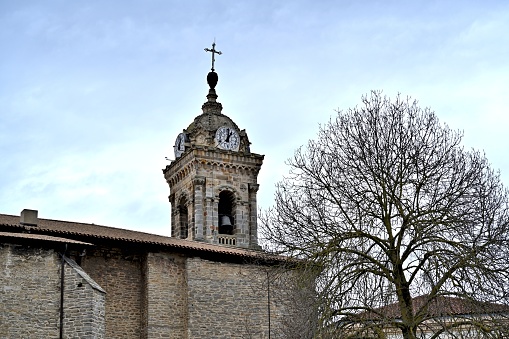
<point>297,296</point>
<point>390,206</point>
<point>291,305</point>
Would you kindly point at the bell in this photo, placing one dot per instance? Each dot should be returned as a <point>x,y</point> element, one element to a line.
<point>225,221</point>
<point>225,226</point>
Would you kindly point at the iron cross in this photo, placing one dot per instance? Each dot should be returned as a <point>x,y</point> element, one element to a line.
<point>213,51</point>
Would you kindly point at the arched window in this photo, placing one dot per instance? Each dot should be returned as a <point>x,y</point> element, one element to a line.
<point>183,218</point>
<point>226,211</point>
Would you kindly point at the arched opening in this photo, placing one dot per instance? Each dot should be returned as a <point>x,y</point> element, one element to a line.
<point>226,212</point>
<point>183,219</point>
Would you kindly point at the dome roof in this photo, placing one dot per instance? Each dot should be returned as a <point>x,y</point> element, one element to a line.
<point>210,122</point>
<point>202,130</point>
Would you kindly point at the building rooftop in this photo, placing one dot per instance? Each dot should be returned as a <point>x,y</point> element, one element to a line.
<point>10,225</point>
<point>441,306</point>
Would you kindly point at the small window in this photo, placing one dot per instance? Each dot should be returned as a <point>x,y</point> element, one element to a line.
<point>226,209</point>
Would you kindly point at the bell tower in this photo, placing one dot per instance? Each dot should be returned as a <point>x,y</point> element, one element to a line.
<point>213,179</point>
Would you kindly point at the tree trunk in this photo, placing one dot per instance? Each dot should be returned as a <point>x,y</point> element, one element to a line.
<point>408,333</point>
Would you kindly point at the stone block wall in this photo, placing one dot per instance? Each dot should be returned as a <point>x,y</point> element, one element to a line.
<point>29,292</point>
<point>229,300</point>
<point>148,295</point>
<point>166,296</point>
<point>84,304</point>
<point>190,297</point>
<point>120,275</point>
<point>30,282</point>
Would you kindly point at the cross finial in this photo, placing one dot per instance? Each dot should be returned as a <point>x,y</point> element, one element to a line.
<point>213,51</point>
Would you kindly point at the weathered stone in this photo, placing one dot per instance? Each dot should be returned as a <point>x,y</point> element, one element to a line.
<point>31,295</point>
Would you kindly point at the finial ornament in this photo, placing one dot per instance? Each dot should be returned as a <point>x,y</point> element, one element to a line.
<point>213,51</point>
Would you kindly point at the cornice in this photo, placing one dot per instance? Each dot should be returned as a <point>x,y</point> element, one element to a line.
<point>212,155</point>
<point>204,157</point>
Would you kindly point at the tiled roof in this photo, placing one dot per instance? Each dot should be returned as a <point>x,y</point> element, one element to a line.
<point>40,237</point>
<point>440,307</point>
<point>82,231</point>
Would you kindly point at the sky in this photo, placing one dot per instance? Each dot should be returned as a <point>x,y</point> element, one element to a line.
<point>94,93</point>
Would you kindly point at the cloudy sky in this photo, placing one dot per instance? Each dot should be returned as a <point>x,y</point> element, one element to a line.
<point>94,93</point>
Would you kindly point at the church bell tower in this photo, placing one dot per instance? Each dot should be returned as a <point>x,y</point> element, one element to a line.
<point>213,179</point>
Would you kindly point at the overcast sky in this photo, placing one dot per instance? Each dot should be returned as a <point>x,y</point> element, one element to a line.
<point>94,93</point>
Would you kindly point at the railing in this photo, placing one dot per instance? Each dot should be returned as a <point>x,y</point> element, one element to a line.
<point>223,239</point>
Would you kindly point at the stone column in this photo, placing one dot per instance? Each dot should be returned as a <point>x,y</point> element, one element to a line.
<point>190,226</point>
<point>214,216</point>
<point>174,216</point>
<point>242,224</point>
<point>199,219</point>
<point>209,218</point>
<point>253,216</point>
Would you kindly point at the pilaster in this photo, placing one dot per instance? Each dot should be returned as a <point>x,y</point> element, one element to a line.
<point>253,215</point>
<point>211,226</point>
<point>199,215</point>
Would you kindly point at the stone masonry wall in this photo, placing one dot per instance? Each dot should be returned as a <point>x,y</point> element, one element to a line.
<point>30,282</point>
<point>166,296</point>
<point>29,292</point>
<point>228,300</point>
<point>157,295</point>
<point>119,274</point>
<point>84,305</point>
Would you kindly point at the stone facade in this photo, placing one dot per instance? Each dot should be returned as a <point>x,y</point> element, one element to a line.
<point>119,273</point>
<point>209,280</point>
<point>133,292</point>
<point>227,300</point>
<point>30,283</point>
<point>213,180</point>
<point>84,304</point>
<point>30,295</point>
<point>196,182</point>
<point>166,296</point>
<point>185,297</point>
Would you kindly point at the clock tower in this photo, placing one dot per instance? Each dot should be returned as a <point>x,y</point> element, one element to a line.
<point>213,179</point>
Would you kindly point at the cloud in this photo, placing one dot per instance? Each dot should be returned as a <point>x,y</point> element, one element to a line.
<point>93,94</point>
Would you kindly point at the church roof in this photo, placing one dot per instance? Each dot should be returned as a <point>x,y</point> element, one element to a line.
<point>441,306</point>
<point>97,234</point>
<point>29,236</point>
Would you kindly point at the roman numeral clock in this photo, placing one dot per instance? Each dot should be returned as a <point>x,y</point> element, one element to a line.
<point>213,179</point>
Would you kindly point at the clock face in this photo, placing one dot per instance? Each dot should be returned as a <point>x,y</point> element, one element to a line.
<point>227,138</point>
<point>179,147</point>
